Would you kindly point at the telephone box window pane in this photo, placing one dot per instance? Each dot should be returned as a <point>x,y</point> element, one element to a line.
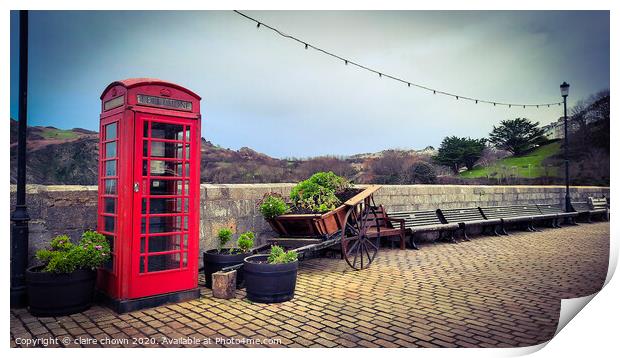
<point>109,205</point>
<point>179,151</point>
<point>164,243</point>
<point>110,186</point>
<point>108,224</point>
<point>164,262</point>
<point>146,129</point>
<point>110,150</point>
<point>166,131</point>
<point>142,245</point>
<point>181,172</point>
<point>164,168</point>
<point>142,265</point>
<point>180,222</point>
<point>110,131</point>
<point>166,150</point>
<point>110,239</point>
<point>145,148</point>
<point>110,168</point>
<point>109,265</point>
<point>165,206</point>
<point>143,226</point>
<point>166,187</point>
<point>160,224</point>
<point>185,259</point>
<point>158,149</point>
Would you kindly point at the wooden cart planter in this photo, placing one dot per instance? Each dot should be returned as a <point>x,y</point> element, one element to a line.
<point>354,225</point>
<point>305,225</point>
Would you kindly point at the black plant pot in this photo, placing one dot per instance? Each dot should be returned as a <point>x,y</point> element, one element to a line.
<point>214,262</point>
<point>269,283</point>
<point>59,294</point>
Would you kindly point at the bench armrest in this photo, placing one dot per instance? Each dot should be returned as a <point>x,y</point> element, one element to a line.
<point>401,222</point>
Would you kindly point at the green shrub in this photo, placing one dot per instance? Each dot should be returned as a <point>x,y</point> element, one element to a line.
<point>318,193</point>
<point>223,237</point>
<point>279,256</point>
<point>245,242</point>
<point>65,257</point>
<point>330,181</point>
<point>272,205</point>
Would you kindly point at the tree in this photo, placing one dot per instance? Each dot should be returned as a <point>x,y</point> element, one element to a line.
<point>334,164</point>
<point>420,172</point>
<point>456,151</point>
<point>516,135</point>
<point>388,168</point>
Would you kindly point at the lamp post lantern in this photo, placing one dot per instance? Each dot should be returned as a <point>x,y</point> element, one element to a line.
<point>564,91</point>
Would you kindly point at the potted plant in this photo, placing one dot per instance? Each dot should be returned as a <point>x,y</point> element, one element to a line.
<point>216,259</point>
<point>271,278</point>
<point>65,281</point>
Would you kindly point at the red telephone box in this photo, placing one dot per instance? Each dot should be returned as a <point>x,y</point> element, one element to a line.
<point>149,192</point>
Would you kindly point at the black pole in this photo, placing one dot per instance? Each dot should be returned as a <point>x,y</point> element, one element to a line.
<point>567,203</point>
<point>20,217</point>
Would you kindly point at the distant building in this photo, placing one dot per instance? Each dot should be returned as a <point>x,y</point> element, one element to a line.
<point>555,130</point>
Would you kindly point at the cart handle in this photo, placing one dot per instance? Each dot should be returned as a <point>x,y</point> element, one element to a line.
<point>368,191</point>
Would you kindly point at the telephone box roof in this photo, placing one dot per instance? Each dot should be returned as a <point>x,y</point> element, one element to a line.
<point>134,82</point>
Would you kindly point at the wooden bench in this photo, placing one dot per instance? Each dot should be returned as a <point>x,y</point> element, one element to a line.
<point>516,214</point>
<point>592,208</point>
<point>469,217</point>
<point>424,221</point>
<point>599,206</point>
<point>561,215</point>
<point>379,224</point>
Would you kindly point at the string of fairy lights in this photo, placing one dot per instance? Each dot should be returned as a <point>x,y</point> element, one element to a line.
<point>382,74</point>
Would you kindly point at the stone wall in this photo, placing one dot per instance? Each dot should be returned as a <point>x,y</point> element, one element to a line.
<point>71,209</point>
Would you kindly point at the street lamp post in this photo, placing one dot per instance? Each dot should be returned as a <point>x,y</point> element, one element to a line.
<point>20,217</point>
<point>564,90</point>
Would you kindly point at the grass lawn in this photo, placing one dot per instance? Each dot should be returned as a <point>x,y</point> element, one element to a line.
<point>529,165</point>
<point>50,133</point>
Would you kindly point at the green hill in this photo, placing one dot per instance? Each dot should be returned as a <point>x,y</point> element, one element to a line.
<point>530,165</point>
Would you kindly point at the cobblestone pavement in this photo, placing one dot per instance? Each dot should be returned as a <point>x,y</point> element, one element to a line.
<point>490,292</point>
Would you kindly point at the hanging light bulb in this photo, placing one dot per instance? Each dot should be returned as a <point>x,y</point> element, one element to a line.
<point>346,62</point>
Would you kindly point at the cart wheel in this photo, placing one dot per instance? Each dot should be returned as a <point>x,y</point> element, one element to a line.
<point>358,250</point>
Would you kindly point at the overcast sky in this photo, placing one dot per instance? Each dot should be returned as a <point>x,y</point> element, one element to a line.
<point>268,93</point>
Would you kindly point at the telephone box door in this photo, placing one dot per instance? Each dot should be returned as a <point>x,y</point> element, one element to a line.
<point>165,209</point>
